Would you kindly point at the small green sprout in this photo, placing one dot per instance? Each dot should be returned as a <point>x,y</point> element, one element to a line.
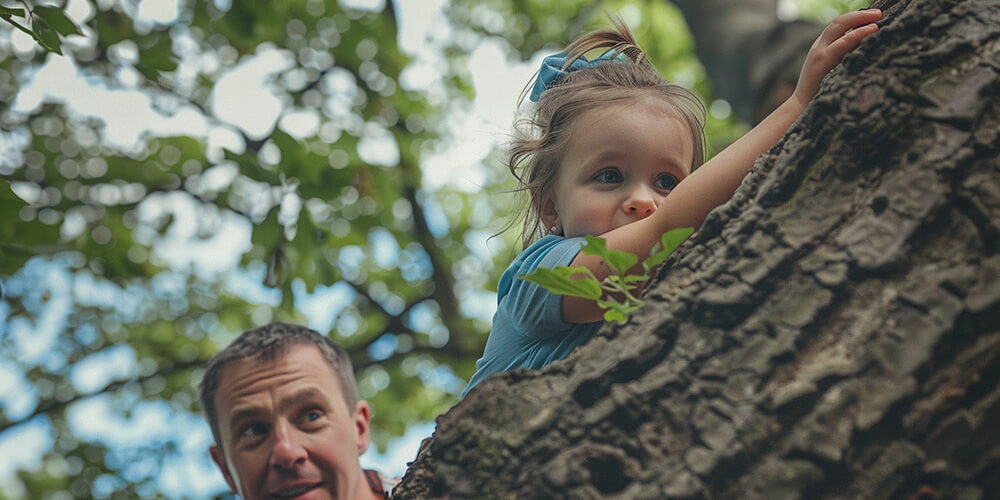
<point>613,295</point>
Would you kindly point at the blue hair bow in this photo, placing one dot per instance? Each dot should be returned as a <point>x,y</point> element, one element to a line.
<point>551,71</point>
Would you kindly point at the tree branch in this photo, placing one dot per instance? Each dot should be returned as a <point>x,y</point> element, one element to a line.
<point>444,289</point>
<point>22,28</point>
<point>197,197</point>
<point>411,305</point>
<point>51,406</point>
<point>451,350</point>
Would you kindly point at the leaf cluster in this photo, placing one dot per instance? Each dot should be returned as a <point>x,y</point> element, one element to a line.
<point>47,24</point>
<point>615,295</point>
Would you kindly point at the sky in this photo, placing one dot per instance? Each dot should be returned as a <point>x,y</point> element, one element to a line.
<point>128,115</point>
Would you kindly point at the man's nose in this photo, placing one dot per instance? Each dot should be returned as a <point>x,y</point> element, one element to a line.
<point>640,201</point>
<point>288,451</point>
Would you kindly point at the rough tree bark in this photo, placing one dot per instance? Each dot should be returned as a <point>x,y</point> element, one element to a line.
<point>833,331</point>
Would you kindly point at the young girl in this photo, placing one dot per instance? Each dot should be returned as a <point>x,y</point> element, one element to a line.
<point>612,152</point>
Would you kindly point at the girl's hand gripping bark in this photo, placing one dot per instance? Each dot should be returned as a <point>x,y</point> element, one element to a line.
<point>839,38</point>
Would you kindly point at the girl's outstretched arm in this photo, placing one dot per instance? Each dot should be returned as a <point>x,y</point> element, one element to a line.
<point>715,181</point>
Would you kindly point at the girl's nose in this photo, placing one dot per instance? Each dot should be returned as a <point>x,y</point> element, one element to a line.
<point>639,202</point>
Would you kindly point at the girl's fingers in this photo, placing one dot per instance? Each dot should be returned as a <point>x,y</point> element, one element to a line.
<point>841,46</point>
<point>847,22</point>
<point>855,36</point>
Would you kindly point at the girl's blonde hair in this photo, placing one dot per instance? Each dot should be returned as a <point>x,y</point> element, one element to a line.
<point>534,157</point>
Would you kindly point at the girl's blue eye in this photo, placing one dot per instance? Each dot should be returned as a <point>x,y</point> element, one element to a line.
<point>665,182</point>
<point>609,177</point>
<point>312,416</point>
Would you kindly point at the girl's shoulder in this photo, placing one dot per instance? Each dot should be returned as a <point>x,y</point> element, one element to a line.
<point>548,245</point>
<point>549,251</point>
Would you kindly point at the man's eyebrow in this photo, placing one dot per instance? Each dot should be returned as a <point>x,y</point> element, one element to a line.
<point>244,412</point>
<point>310,394</point>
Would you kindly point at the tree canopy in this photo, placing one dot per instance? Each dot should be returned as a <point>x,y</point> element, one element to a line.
<point>162,205</point>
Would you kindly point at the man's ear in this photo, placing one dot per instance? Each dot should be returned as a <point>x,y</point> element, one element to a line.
<point>362,415</point>
<point>220,461</point>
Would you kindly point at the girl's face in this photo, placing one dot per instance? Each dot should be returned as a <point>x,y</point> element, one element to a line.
<point>622,159</point>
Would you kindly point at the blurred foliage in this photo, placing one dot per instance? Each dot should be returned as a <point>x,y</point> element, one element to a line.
<point>93,228</point>
<point>823,11</point>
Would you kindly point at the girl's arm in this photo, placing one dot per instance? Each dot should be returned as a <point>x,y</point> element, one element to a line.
<point>714,182</point>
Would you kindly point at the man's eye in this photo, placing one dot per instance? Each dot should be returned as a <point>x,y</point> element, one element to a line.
<point>610,176</point>
<point>665,182</point>
<point>254,430</point>
<point>311,417</point>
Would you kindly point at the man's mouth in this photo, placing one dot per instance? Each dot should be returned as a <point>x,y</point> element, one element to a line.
<point>294,491</point>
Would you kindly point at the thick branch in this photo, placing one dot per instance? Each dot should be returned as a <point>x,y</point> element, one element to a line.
<point>451,350</point>
<point>51,406</point>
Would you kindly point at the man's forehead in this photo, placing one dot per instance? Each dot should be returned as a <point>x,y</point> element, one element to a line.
<point>261,404</point>
<point>298,365</point>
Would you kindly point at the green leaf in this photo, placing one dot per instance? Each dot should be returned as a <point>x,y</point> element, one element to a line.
<point>609,304</point>
<point>668,243</point>
<point>57,20</point>
<point>618,261</point>
<point>560,281</point>
<point>8,12</point>
<point>617,281</point>
<point>618,311</point>
<point>48,38</point>
<point>614,315</point>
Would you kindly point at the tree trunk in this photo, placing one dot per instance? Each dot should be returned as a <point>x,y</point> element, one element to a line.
<point>832,331</point>
<point>751,57</point>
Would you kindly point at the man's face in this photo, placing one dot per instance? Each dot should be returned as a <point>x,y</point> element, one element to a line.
<point>286,430</point>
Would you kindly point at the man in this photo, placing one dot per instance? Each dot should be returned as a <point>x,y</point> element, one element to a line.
<point>283,407</point>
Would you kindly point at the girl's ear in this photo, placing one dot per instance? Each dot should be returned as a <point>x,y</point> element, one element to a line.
<point>548,213</point>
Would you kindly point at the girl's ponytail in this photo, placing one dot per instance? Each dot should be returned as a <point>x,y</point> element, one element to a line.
<point>618,40</point>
